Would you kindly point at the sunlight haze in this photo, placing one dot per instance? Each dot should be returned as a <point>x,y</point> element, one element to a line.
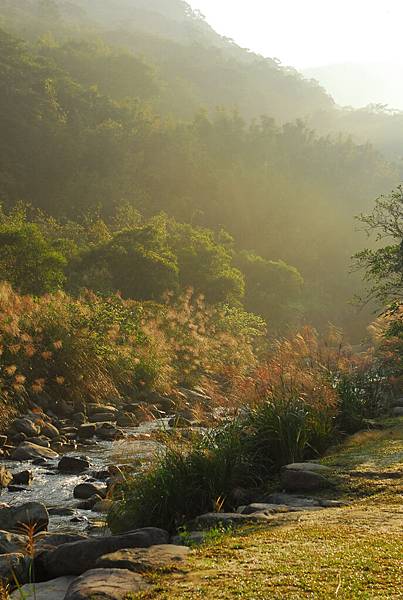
<point>316,33</point>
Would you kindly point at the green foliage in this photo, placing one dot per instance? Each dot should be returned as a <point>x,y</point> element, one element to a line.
<point>28,261</point>
<point>135,262</point>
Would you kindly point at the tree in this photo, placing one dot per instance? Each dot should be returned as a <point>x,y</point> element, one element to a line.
<point>136,262</point>
<point>383,267</point>
<point>28,261</point>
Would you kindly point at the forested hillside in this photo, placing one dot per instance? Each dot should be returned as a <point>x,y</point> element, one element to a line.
<point>266,205</point>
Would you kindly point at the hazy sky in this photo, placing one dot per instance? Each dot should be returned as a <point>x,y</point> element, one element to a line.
<point>310,33</point>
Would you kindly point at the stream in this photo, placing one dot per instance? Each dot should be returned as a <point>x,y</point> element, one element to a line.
<point>55,489</point>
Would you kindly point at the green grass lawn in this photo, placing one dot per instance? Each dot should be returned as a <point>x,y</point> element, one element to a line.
<point>351,552</point>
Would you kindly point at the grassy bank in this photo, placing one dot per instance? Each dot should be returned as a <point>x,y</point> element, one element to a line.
<point>349,552</point>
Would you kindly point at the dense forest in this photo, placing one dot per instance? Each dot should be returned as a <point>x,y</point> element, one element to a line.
<point>139,116</point>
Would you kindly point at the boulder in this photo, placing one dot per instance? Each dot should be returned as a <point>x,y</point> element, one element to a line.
<point>22,478</point>
<point>73,464</point>
<point>77,557</point>
<point>29,451</point>
<point>11,543</point>
<point>5,477</point>
<point>50,590</point>
<point>302,480</point>
<point>14,566</point>
<point>142,560</point>
<point>25,426</point>
<point>229,519</point>
<point>397,411</point>
<point>84,491</point>
<point>106,584</point>
<point>31,513</point>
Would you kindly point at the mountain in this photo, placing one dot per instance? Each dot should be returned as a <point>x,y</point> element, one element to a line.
<point>360,85</point>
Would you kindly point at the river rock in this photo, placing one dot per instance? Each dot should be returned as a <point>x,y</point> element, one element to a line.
<point>3,440</point>
<point>108,431</point>
<point>301,480</point>
<point>84,491</point>
<point>61,511</point>
<point>39,441</point>
<point>11,542</point>
<point>213,519</point>
<point>14,566</point>
<point>5,477</point>
<point>141,560</point>
<point>306,466</point>
<point>49,590</point>
<point>106,584</point>
<point>73,464</point>
<point>25,426</point>
<point>29,451</point>
<point>103,418</point>
<point>31,513</point>
<point>49,430</point>
<point>105,409</point>
<point>86,431</point>
<point>77,557</point>
<point>22,478</point>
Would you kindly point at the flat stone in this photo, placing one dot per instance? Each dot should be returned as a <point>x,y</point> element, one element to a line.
<point>61,511</point>
<point>84,491</point>
<point>31,513</point>
<point>106,584</point>
<point>142,560</point>
<point>306,466</point>
<point>50,590</point>
<point>29,451</point>
<point>261,507</point>
<point>73,464</point>
<point>212,519</point>
<point>77,557</point>
<point>39,441</point>
<point>294,501</point>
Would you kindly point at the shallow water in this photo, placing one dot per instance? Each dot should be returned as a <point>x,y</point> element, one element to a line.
<point>55,489</point>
